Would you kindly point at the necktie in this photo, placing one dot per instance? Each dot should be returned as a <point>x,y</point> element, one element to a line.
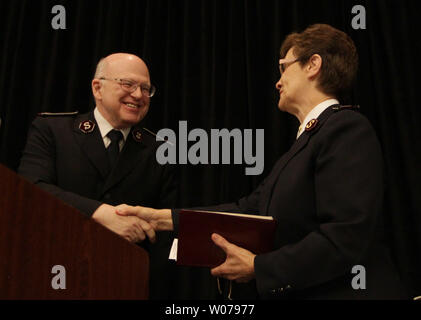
<point>114,149</point>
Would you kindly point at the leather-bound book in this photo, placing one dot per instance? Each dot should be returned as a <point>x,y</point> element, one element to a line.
<point>196,248</point>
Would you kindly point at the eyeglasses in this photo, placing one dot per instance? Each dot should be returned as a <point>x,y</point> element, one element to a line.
<point>131,86</point>
<point>285,63</point>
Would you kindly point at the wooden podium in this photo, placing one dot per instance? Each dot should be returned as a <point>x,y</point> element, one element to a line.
<point>38,232</point>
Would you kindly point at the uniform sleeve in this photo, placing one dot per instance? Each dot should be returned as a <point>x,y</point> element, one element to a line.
<point>38,166</point>
<point>348,190</point>
<point>246,205</point>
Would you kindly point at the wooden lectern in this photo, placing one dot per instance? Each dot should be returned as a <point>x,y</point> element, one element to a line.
<point>38,232</point>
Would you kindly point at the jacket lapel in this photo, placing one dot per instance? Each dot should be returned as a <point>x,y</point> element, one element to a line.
<point>132,154</point>
<point>298,145</point>
<point>280,165</point>
<point>91,143</point>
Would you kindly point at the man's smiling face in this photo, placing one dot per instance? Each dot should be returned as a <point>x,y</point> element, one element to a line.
<point>119,107</point>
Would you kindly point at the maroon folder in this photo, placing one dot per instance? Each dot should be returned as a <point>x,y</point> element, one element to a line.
<point>196,248</point>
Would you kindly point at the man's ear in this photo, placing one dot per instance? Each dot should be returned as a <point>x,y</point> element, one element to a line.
<point>314,66</point>
<point>96,86</point>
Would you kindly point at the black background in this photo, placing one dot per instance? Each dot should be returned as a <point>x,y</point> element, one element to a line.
<point>215,64</point>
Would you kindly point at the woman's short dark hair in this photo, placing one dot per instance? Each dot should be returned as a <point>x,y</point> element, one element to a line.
<point>338,52</point>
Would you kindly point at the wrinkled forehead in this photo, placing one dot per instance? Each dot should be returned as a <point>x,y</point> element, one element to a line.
<point>128,68</point>
<point>290,54</point>
<point>289,57</point>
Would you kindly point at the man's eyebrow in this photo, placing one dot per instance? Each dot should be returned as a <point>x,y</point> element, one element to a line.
<point>131,80</point>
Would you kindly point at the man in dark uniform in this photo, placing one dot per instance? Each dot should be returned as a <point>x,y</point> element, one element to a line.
<point>325,192</point>
<point>101,159</point>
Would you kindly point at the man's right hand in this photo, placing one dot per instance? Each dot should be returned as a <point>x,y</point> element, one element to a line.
<point>159,219</point>
<point>131,228</point>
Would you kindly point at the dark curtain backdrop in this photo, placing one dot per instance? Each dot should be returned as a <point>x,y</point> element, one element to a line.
<point>215,64</point>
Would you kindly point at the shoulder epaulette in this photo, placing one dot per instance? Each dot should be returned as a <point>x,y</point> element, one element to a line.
<point>150,132</point>
<point>58,114</point>
<point>345,107</point>
<point>158,138</point>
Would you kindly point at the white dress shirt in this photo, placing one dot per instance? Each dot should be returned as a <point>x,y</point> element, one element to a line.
<point>314,113</point>
<point>105,127</point>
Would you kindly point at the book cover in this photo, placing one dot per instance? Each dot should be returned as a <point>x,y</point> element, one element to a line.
<point>196,248</point>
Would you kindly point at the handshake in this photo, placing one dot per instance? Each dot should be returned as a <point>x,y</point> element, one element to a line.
<point>137,223</point>
<point>134,223</point>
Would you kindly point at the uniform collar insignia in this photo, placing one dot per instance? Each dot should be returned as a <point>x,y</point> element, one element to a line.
<point>87,126</point>
<point>137,135</point>
<point>311,124</point>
